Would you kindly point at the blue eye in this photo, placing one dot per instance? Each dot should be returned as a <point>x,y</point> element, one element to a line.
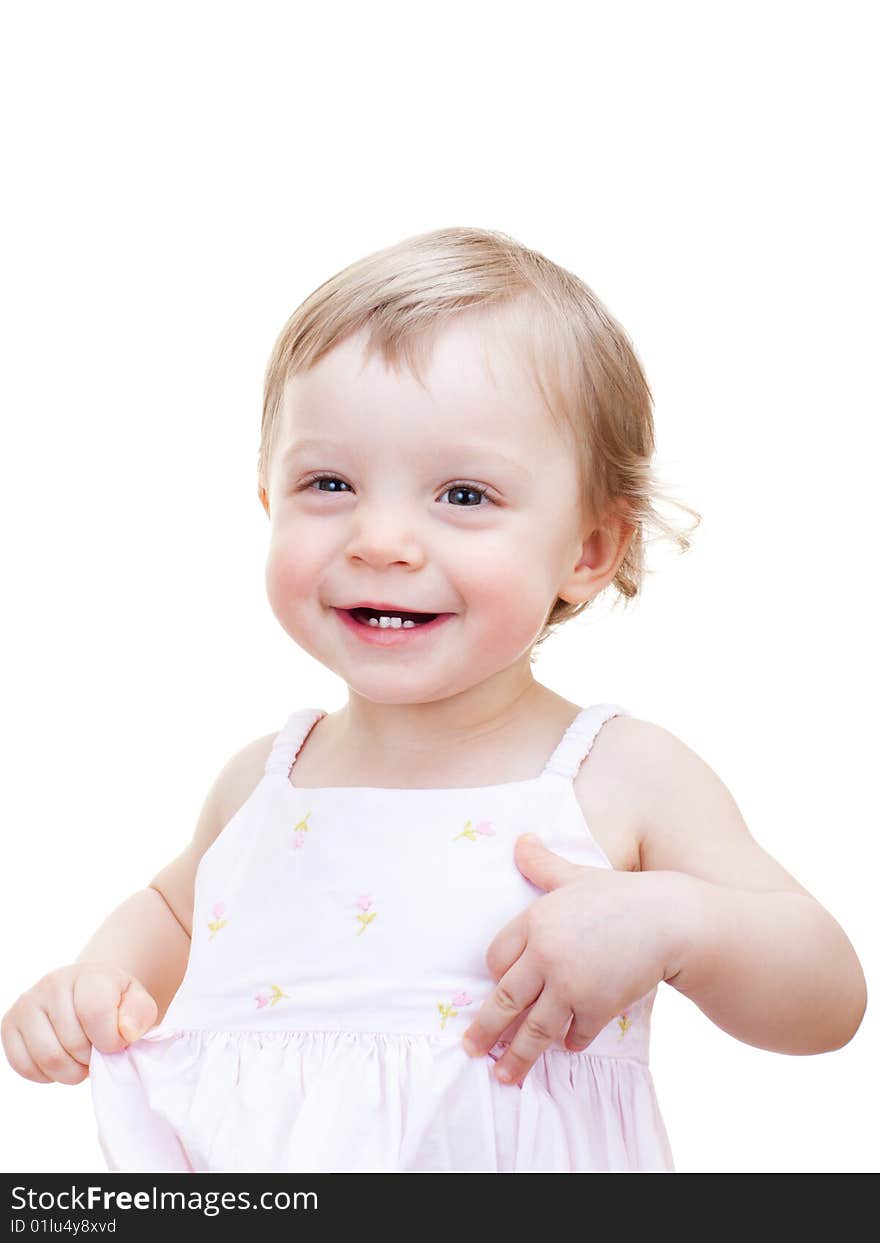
<point>474,488</point>
<point>469,487</point>
<point>321,478</point>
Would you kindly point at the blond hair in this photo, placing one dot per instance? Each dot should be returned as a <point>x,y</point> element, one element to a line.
<point>586,368</point>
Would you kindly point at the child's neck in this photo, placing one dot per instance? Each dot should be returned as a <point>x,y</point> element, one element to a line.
<point>359,747</point>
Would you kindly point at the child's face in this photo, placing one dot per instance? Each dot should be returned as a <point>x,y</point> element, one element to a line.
<point>395,528</point>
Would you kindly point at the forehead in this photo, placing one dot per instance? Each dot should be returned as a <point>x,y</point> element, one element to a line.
<point>473,385</point>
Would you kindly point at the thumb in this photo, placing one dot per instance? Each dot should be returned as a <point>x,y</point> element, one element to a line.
<point>540,865</point>
<point>137,1011</point>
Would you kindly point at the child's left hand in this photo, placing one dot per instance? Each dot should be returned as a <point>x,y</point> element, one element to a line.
<point>597,941</point>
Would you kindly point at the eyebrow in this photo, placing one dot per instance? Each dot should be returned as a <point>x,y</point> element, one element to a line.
<point>302,446</point>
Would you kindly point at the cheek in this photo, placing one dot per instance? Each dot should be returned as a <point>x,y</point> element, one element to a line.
<point>510,590</point>
<point>292,569</point>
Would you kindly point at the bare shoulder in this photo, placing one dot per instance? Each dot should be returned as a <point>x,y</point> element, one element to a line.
<point>239,778</point>
<point>684,816</point>
<point>231,788</point>
<point>604,786</point>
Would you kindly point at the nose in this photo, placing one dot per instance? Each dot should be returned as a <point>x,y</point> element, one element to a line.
<point>384,538</point>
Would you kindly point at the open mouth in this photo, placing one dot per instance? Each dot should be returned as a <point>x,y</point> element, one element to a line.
<point>396,621</point>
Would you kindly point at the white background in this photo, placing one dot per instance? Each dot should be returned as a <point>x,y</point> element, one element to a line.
<point>179,177</point>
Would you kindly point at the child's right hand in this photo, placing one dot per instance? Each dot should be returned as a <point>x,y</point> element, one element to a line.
<point>49,1031</point>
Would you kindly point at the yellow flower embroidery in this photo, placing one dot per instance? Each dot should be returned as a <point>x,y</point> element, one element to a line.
<point>299,832</point>
<point>446,1012</point>
<point>269,999</point>
<point>218,921</point>
<point>447,1008</point>
<point>624,1024</point>
<point>484,829</point>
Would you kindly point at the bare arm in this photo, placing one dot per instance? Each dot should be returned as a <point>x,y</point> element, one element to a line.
<point>144,936</point>
<point>773,969</point>
<point>759,955</point>
<point>124,980</point>
<point>149,933</point>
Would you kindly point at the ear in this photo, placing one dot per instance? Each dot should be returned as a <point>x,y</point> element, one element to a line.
<point>264,499</point>
<point>599,558</point>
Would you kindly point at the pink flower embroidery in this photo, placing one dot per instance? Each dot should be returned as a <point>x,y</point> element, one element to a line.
<point>269,998</point>
<point>447,1008</point>
<point>218,910</point>
<point>624,1024</point>
<point>484,829</point>
<point>366,916</point>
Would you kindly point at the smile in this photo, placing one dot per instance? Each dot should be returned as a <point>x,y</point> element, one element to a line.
<point>388,630</point>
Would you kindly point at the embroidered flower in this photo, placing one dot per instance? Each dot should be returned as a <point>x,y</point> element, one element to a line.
<point>484,829</point>
<point>299,832</point>
<point>366,916</point>
<point>218,922</point>
<point>624,1024</point>
<point>268,998</point>
<point>447,1008</point>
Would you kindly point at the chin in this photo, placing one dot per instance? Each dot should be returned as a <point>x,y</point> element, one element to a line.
<point>397,694</point>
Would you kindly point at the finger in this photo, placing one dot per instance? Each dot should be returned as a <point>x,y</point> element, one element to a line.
<point>67,1026</point>
<point>583,1031</point>
<point>507,946</point>
<point>100,997</point>
<point>517,989</point>
<point>47,1051</point>
<point>19,1058</point>
<point>543,1024</point>
<point>541,865</point>
<point>96,998</point>
<point>137,1011</point>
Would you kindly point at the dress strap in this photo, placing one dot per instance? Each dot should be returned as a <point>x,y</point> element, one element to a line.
<point>578,739</point>
<point>290,738</point>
